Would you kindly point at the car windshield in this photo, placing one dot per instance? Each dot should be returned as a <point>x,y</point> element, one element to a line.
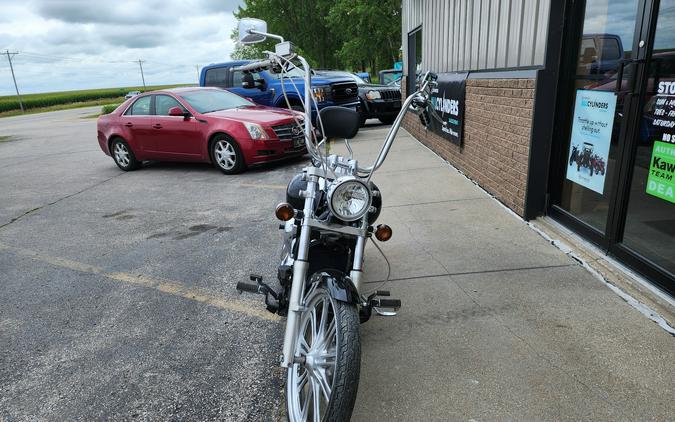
<point>213,100</point>
<point>352,76</point>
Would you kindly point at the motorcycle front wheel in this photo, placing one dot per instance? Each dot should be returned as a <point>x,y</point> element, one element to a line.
<point>323,386</point>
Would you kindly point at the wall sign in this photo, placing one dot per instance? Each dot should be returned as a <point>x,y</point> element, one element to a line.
<point>448,101</point>
<point>661,177</point>
<point>591,136</point>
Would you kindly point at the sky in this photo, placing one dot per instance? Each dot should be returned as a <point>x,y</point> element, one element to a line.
<point>81,44</point>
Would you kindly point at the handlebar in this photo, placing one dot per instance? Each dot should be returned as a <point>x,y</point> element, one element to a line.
<point>259,65</point>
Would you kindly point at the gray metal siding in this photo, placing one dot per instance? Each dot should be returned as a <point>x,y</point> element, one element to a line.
<point>477,34</point>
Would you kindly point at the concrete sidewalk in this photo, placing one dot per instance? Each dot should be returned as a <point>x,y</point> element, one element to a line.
<point>496,324</point>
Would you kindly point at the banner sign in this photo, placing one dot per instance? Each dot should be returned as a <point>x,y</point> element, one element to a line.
<point>661,178</point>
<point>591,136</point>
<point>448,101</point>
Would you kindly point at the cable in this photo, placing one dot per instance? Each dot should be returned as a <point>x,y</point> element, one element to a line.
<point>388,264</point>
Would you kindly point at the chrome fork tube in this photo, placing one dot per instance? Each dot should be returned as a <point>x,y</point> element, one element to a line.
<point>357,268</point>
<point>300,267</point>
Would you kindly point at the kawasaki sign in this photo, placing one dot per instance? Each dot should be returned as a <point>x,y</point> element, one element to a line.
<point>661,179</point>
<point>447,99</point>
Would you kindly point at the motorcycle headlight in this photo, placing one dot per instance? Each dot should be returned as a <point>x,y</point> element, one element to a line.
<point>373,95</point>
<point>349,198</point>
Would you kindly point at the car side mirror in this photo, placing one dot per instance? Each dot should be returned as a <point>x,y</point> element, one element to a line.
<point>247,81</point>
<point>177,111</point>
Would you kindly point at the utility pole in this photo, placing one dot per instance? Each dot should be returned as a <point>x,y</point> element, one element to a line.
<point>140,64</point>
<point>9,58</point>
<point>197,68</point>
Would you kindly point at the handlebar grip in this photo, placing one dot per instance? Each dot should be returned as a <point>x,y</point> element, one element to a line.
<point>246,287</point>
<point>262,64</point>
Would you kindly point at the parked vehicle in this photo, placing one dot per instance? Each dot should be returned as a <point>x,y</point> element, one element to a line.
<point>390,75</point>
<point>329,215</point>
<point>131,94</point>
<point>268,89</point>
<point>199,124</point>
<point>364,75</point>
<point>600,53</point>
<point>377,101</point>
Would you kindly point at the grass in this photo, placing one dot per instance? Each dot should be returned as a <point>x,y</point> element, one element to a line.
<point>6,138</point>
<point>51,101</point>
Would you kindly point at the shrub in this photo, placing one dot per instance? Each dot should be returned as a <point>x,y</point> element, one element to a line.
<point>109,108</point>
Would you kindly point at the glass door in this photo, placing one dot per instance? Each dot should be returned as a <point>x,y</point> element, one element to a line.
<point>649,228</point>
<point>597,85</point>
<point>613,168</point>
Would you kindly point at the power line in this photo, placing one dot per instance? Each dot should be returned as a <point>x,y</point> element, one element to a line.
<point>9,59</point>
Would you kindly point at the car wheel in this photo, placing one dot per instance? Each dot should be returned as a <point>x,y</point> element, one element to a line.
<point>123,155</point>
<point>227,155</point>
<point>387,120</point>
<point>298,107</point>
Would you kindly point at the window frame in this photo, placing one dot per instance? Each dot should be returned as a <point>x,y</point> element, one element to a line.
<point>131,106</point>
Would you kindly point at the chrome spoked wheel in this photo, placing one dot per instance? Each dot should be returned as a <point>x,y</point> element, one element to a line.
<point>311,383</point>
<point>122,154</point>
<point>322,386</point>
<point>225,155</point>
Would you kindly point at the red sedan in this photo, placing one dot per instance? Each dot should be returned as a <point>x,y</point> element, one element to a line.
<point>199,124</point>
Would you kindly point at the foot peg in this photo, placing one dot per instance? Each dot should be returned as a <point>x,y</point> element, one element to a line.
<point>383,307</point>
<point>263,289</point>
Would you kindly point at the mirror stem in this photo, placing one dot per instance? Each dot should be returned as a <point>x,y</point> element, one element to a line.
<point>278,37</point>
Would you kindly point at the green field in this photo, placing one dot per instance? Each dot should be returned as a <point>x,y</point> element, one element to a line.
<point>59,100</point>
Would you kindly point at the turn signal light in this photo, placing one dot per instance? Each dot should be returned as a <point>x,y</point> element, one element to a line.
<point>284,211</point>
<point>383,232</point>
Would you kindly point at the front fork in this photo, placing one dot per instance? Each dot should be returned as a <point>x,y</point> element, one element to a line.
<point>300,268</point>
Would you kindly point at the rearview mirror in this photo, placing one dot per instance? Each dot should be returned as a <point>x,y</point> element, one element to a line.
<point>247,29</point>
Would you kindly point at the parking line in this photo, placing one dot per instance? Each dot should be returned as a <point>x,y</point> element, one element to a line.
<point>163,285</point>
<point>259,185</point>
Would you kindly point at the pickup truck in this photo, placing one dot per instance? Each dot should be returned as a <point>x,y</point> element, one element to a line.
<point>328,91</point>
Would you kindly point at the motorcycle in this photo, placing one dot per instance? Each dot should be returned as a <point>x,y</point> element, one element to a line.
<point>329,215</point>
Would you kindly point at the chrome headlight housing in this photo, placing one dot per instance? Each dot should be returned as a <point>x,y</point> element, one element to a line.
<point>349,198</point>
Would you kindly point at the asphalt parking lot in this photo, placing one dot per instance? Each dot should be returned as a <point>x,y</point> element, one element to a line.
<point>118,297</point>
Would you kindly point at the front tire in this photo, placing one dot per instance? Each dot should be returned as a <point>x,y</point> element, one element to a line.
<point>227,155</point>
<point>324,386</point>
<point>123,155</point>
<point>387,120</point>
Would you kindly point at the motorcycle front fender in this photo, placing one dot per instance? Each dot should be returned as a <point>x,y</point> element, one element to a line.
<point>339,285</point>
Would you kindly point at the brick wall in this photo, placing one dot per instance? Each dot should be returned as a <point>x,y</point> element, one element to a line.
<point>495,152</point>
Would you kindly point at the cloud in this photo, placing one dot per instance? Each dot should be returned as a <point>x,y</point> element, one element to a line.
<point>76,44</point>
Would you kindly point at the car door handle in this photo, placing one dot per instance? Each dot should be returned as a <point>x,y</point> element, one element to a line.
<point>128,124</point>
<point>157,126</point>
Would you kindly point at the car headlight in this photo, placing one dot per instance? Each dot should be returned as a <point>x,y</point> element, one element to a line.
<point>256,131</point>
<point>321,93</point>
<point>349,198</point>
<point>373,95</point>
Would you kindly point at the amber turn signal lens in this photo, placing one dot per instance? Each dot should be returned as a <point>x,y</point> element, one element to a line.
<point>284,211</point>
<point>383,233</point>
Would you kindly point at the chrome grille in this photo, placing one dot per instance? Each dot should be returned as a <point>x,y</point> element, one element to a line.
<point>343,91</point>
<point>285,132</point>
<point>391,95</point>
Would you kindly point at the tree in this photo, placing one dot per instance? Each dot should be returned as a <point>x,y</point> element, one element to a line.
<point>332,34</point>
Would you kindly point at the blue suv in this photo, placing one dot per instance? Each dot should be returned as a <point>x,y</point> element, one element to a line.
<point>328,91</point>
